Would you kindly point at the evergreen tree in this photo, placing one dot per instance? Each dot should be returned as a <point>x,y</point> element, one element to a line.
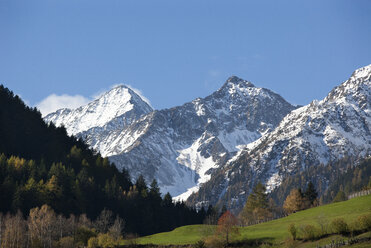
<point>211,216</point>
<point>311,193</point>
<point>340,196</point>
<point>167,201</point>
<point>258,197</point>
<point>154,188</point>
<point>257,205</point>
<point>141,185</point>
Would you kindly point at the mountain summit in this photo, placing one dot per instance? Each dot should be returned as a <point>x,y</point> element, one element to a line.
<point>182,146</point>
<point>120,102</point>
<point>321,132</point>
<point>236,81</point>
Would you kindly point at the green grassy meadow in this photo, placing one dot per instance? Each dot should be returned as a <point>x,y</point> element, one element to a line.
<point>274,232</point>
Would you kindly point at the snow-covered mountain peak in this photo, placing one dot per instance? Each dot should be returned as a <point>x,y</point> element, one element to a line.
<point>235,90</point>
<point>356,90</point>
<point>363,72</point>
<point>235,82</point>
<point>318,133</point>
<point>182,146</point>
<point>112,104</point>
<point>119,94</point>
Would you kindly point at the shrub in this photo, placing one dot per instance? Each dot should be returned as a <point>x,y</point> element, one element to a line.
<point>340,196</point>
<point>83,234</point>
<point>292,230</point>
<point>106,241</point>
<point>36,243</point>
<point>354,228</point>
<point>365,222</point>
<point>93,242</point>
<point>66,242</point>
<point>214,242</point>
<point>339,226</point>
<point>200,244</point>
<point>290,243</point>
<point>309,232</point>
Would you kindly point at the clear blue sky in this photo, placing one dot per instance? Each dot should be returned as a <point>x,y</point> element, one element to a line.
<point>175,51</point>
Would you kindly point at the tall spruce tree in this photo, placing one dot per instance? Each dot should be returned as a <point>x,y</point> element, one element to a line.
<point>311,193</point>
<point>257,205</point>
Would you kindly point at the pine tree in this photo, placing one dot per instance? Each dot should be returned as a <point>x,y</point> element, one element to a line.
<point>257,206</point>
<point>155,195</point>
<point>141,183</point>
<point>167,201</point>
<point>258,198</point>
<point>154,188</point>
<point>211,216</point>
<point>340,196</point>
<point>311,193</point>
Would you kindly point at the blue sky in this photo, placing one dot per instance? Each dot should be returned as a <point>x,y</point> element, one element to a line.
<point>174,51</point>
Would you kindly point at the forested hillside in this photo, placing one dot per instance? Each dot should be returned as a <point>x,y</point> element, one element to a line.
<point>40,164</point>
<point>334,180</point>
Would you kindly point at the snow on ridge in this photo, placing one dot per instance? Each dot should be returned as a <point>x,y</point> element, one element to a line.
<point>193,159</point>
<point>222,117</point>
<point>181,146</point>
<point>319,132</point>
<point>108,106</point>
<point>232,140</point>
<point>362,72</point>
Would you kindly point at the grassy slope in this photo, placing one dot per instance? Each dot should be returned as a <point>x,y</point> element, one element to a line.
<point>276,230</point>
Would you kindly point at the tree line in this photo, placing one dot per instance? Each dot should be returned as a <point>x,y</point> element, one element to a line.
<point>334,181</point>
<point>346,176</point>
<point>40,164</point>
<point>44,228</point>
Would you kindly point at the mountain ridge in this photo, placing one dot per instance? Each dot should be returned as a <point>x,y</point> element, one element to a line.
<point>318,133</point>
<point>175,145</point>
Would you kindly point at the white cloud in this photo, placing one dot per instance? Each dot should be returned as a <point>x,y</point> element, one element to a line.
<point>55,102</point>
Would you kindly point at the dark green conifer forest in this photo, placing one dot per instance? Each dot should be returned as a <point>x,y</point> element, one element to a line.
<point>41,164</point>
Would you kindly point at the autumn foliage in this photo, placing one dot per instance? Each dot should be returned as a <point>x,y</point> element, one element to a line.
<point>293,202</point>
<point>227,225</point>
<point>297,200</point>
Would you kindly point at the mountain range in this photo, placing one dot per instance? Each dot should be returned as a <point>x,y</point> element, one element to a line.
<point>213,150</point>
<point>180,146</point>
<point>323,131</point>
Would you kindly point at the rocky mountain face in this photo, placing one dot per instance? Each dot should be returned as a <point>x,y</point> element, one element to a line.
<point>323,131</point>
<point>180,147</point>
